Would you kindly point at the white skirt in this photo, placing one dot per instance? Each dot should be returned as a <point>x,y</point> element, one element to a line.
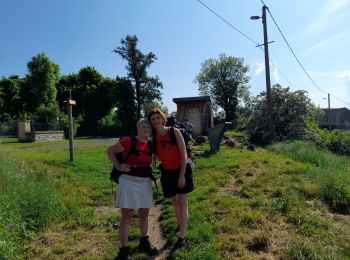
<point>134,192</point>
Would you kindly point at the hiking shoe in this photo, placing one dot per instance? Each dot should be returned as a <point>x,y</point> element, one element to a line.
<point>146,247</point>
<point>180,244</point>
<point>123,253</point>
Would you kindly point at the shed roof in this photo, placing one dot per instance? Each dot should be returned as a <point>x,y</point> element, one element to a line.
<point>191,99</point>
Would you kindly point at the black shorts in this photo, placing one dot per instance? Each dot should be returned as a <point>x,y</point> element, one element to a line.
<point>169,180</point>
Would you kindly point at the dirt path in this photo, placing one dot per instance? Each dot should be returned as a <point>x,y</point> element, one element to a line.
<point>154,230</point>
<point>155,234</point>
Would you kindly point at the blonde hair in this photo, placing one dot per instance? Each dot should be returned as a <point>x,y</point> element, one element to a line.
<point>142,122</point>
<point>157,111</point>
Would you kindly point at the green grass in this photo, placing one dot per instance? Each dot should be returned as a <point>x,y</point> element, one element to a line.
<point>332,172</point>
<point>28,204</point>
<point>248,204</point>
<point>274,203</point>
<point>8,140</point>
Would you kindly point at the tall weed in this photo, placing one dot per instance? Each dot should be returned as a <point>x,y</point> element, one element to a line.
<point>27,206</point>
<point>330,171</point>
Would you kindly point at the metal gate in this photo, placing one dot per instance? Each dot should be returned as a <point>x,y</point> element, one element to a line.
<point>9,132</point>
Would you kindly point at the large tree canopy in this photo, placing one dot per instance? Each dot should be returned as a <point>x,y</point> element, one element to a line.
<point>10,99</point>
<point>147,89</point>
<point>225,81</point>
<point>126,105</point>
<point>39,91</point>
<point>292,111</point>
<point>95,96</point>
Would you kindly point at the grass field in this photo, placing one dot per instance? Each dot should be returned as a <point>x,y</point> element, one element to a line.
<point>290,201</point>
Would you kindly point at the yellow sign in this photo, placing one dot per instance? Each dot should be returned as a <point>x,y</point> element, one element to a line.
<point>72,102</point>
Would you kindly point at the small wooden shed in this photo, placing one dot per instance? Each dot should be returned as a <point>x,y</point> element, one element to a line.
<point>198,111</point>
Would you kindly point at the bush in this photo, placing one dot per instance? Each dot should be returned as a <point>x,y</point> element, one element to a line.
<point>336,141</point>
<point>291,113</point>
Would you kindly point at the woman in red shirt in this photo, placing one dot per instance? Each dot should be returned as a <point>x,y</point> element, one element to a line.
<point>176,173</point>
<point>135,188</point>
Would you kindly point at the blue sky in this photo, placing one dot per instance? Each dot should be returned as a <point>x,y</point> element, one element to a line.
<point>182,34</point>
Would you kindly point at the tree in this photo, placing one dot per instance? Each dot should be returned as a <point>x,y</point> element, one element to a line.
<point>39,91</point>
<point>225,80</point>
<point>126,115</point>
<point>292,112</point>
<point>10,100</point>
<point>66,84</point>
<point>94,94</point>
<point>147,88</point>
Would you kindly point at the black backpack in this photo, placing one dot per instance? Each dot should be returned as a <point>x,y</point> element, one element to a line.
<point>184,133</point>
<point>115,174</point>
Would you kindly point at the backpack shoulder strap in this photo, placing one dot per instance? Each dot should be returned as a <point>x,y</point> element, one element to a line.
<point>153,145</point>
<point>150,145</point>
<point>132,149</point>
<point>172,135</point>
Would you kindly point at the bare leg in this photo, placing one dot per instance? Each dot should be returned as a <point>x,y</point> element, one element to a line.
<point>183,213</point>
<point>126,216</point>
<point>143,221</point>
<point>176,208</point>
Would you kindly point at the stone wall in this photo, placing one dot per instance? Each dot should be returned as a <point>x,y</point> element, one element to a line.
<point>44,136</point>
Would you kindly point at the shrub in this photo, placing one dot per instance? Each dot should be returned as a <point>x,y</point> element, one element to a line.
<point>291,113</point>
<point>336,141</point>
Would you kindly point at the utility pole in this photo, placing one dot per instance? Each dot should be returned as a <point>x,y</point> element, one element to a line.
<point>267,74</point>
<point>329,113</point>
<point>268,82</point>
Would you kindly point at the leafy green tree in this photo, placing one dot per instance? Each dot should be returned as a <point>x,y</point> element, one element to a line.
<point>10,99</point>
<point>40,91</point>
<point>94,95</point>
<point>147,89</point>
<point>126,114</point>
<point>66,84</point>
<point>225,81</point>
<point>292,113</point>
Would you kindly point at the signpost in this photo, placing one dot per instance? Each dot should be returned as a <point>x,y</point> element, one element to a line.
<point>70,103</point>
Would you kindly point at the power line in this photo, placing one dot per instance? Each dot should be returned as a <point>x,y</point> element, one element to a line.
<point>258,45</point>
<point>228,23</point>
<point>340,99</point>
<point>290,48</point>
<point>250,39</point>
<point>290,84</point>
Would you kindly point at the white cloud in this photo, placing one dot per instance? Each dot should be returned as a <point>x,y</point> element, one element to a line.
<point>260,68</point>
<point>341,38</point>
<point>338,74</point>
<point>276,75</point>
<point>337,83</point>
<point>344,75</point>
<point>327,15</point>
<point>332,6</point>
